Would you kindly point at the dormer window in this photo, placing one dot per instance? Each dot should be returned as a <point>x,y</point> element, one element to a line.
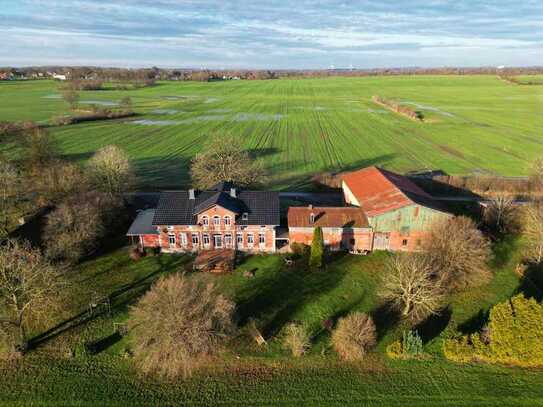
<point>205,220</point>
<point>245,216</point>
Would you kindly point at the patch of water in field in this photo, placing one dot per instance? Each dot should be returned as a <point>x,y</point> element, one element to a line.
<point>99,102</point>
<point>245,117</point>
<point>146,122</point>
<point>52,96</point>
<point>198,119</point>
<point>166,111</point>
<point>429,108</point>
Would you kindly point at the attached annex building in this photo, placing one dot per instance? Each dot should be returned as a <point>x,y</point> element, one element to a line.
<point>383,211</point>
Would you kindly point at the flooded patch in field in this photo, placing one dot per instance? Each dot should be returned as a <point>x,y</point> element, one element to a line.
<point>52,96</point>
<point>145,122</point>
<point>219,110</point>
<point>245,117</point>
<point>166,111</point>
<point>99,102</point>
<point>428,108</point>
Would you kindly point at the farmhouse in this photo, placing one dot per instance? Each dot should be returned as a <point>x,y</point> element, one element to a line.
<point>223,217</point>
<point>382,211</point>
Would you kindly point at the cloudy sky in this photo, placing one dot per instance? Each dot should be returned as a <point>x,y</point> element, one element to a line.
<point>272,33</point>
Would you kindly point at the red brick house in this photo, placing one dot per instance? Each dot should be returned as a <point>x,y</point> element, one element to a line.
<point>221,218</point>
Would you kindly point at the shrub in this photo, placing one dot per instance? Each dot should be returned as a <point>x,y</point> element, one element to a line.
<point>176,324</point>
<point>135,253</point>
<point>395,350</point>
<point>317,249</point>
<point>412,344</point>
<point>514,336</point>
<point>354,336</point>
<point>300,250</point>
<point>296,339</point>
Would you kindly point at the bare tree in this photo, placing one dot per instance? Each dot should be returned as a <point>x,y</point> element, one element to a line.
<point>536,175</point>
<point>224,159</point>
<point>8,188</point>
<point>411,285</point>
<point>73,229</point>
<point>500,215</point>
<point>70,95</point>
<point>459,252</point>
<point>296,339</point>
<point>60,180</point>
<point>29,286</point>
<point>40,150</point>
<point>354,336</point>
<point>111,170</point>
<point>533,230</point>
<point>176,324</point>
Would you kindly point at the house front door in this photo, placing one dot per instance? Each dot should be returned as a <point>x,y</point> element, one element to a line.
<point>217,241</point>
<point>381,241</point>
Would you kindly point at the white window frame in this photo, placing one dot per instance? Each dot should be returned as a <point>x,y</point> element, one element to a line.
<point>171,237</point>
<point>206,240</point>
<point>227,220</point>
<point>205,220</point>
<point>195,239</point>
<point>216,220</point>
<point>228,240</point>
<point>220,239</point>
<point>245,216</point>
<point>262,239</point>
<point>183,238</point>
<point>239,239</point>
<point>250,239</point>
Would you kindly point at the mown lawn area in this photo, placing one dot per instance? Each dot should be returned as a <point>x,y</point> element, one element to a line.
<point>59,372</point>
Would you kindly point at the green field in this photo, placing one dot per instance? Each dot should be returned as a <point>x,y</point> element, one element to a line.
<point>299,127</point>
<point>248,374</point>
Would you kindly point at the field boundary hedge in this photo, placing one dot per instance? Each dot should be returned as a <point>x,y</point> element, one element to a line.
<point>398,108</point>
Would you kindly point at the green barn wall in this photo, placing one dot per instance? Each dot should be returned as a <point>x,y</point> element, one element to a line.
<point>404,219</point>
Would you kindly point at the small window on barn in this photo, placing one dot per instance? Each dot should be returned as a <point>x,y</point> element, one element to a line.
<point>404,242</point>
<point>205,220</point>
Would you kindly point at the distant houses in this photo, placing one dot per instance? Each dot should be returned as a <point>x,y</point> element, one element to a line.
<point>382,211</point>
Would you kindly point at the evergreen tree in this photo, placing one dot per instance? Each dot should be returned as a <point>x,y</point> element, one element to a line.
<point>317,249</point>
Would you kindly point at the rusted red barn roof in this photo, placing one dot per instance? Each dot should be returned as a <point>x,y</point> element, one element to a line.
<point>334,217</point>
<point>379,191</point>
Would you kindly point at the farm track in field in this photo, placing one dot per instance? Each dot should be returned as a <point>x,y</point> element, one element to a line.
<point>300,127</point>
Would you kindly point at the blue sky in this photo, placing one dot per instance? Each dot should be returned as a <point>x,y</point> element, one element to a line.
<point>272,33</point>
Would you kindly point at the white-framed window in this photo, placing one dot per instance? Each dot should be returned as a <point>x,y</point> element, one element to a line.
<point>250,239</point>
<point>216,220</point>
<point>183,237</point>
<point>228,240</point>
<point>262,239</point>
<point>217,241</point>
<point>171,239</point>
<point>205,220</point>
<point>195,239</point>
<point>170,228</point>
<point>239,239</point>
<point>312,218</point>
<point>205,238</point>
<point>227,220</point>
<point>245,216</point>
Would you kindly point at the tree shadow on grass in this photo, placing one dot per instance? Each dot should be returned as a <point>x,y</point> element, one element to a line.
<point>475,323</point>
<point>532,282</point>
<point>432,326</point>
<point>113,304</point>
<point>274,301</point>
<point>385,317</point>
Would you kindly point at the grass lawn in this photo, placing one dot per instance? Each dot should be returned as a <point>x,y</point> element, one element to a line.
<point>247,374</point>
<point>297,128</point>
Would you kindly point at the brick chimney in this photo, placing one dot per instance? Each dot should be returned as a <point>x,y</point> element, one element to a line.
<point>191,193</point>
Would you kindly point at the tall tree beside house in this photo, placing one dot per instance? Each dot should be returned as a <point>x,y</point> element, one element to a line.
<point>317,249</point>
<point>111,171</point>
<point>30,288</point>
<point>224,159</point>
